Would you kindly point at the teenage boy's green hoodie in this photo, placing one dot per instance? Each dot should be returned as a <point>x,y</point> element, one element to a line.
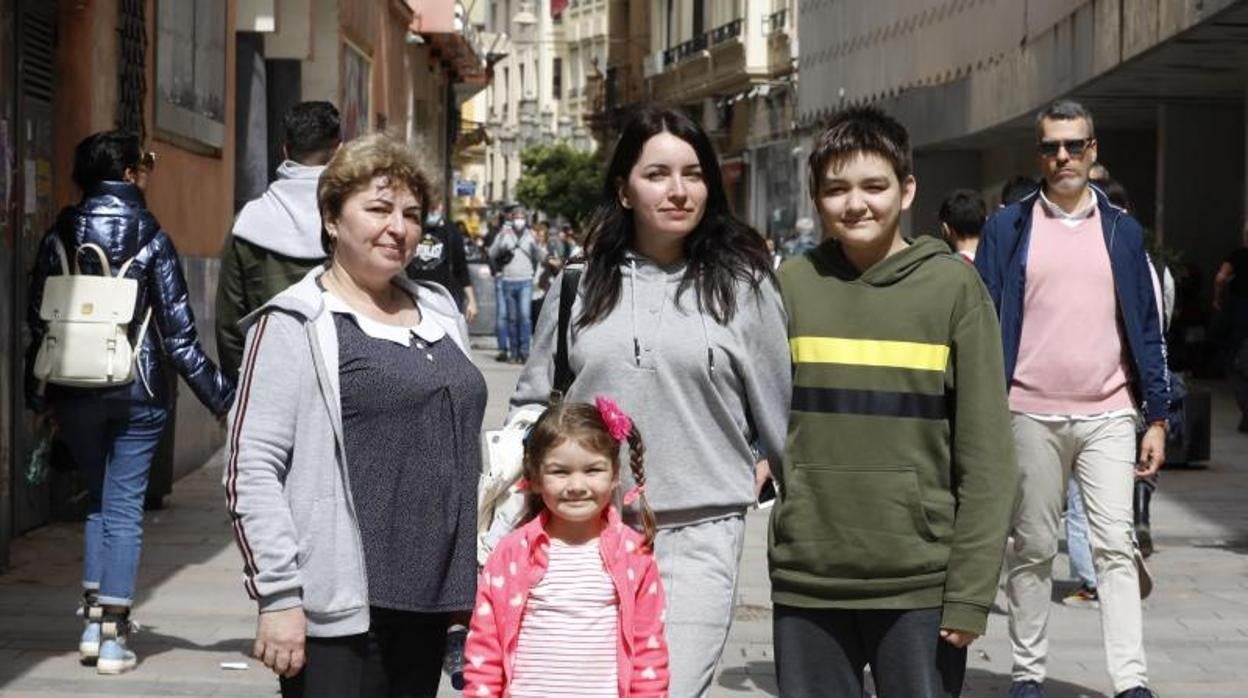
<point>898,481</point>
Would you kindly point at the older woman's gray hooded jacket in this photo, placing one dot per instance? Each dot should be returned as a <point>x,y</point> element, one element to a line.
<point>286,481</point>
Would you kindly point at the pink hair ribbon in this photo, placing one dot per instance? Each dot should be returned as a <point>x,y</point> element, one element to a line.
<point>618,423</point>
<point>632,495</point>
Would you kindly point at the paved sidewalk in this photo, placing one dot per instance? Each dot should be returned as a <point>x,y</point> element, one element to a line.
<point>195,614</point>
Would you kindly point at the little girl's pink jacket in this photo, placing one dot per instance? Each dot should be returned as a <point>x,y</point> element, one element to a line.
<point>520,561</point>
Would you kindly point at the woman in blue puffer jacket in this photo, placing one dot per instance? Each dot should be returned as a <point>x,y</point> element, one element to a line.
<point>113,433</point>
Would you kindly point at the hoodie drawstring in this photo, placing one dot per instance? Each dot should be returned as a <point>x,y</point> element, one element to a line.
<point>706,333</point>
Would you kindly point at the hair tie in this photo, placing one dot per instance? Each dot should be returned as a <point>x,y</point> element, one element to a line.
<point>618,423</point>
<point>522,485</point>
<point>632,495</point>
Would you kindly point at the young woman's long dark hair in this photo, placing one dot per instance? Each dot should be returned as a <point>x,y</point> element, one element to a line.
<point>721,251</point>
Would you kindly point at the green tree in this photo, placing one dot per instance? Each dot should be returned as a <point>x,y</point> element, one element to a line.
<point>560,181</point>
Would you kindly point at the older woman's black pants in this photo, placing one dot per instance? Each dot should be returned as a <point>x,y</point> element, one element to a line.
<point>399,657</point>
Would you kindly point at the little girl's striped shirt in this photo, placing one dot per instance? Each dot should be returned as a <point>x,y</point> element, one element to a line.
<point>569,635</point>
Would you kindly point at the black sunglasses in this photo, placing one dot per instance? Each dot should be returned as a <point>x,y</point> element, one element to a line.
<point>1074,148</point>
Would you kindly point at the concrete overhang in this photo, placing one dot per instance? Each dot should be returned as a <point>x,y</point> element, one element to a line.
<point>1204,65</point>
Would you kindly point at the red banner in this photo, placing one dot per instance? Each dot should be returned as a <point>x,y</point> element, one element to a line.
<point>557,7</point>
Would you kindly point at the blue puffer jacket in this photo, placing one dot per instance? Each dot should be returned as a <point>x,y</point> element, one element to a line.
<point>114,216</point>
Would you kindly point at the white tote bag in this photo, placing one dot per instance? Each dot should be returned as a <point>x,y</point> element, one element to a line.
<point>87,343</point>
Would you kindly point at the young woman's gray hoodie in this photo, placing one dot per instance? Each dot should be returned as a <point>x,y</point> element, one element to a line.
<point>698,412</point>
<point>286,482</point>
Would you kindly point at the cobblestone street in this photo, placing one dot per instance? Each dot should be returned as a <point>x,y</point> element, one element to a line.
<point>195,615</point>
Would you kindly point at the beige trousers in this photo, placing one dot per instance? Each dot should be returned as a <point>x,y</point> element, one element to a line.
<point>1100,454</point>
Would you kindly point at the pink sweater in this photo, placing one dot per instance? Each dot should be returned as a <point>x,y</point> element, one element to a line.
<point>519,562</point>
<point>1070,359</point>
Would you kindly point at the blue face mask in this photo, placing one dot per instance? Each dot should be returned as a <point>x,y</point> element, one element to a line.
<point>433,218</point>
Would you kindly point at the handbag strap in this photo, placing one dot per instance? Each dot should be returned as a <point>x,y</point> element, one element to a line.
<point>563,368</point>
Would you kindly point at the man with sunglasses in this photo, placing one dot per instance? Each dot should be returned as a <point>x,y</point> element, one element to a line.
<point>1084,359</point>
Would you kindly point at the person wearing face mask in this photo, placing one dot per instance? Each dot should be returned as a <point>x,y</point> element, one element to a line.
<point>440,257</point>
<point>354,449</point>
<point>677,315</point>
<point>519,255</point>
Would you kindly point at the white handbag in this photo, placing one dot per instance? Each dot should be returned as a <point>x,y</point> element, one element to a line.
<point>500,502</point>
<point>87,343</point>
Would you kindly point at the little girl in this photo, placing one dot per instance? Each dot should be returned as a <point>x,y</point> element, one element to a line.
<point>570,604</point>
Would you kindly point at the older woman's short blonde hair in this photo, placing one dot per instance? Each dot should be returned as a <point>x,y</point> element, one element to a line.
<point>354,167</point>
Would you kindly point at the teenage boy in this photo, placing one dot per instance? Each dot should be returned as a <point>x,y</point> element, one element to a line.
<point>1083,350</point>
<point>886,543</point>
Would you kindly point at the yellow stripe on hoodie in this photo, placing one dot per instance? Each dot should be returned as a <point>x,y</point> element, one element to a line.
<point>917,356</point>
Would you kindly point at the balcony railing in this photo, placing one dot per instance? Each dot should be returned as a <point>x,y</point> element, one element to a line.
<point>726,32</point>
<point>716,36</point>
<point>778,21</point>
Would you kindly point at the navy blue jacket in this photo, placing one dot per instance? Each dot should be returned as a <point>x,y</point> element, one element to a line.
<point>114,216</point>
<point>1002,262</point>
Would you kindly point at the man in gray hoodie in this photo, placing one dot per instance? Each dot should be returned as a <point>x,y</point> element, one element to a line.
<point>277,236</point>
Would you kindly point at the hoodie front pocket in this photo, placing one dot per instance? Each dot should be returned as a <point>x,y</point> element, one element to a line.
<point>328,563</point>
<point>855,522</point>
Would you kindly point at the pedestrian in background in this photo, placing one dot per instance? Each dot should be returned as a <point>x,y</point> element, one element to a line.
<point>1082,340</point>
<point>1230,302</point>
<point>962,215</point>
<point>519,255</point>
<point>496,272</point>
<point>113,433</point>
<point>678,317</point>
<point>277,236</point>
<point>589,621</point>
<point>441,257</point>
<point>354,449</point>
<point>887,537</point>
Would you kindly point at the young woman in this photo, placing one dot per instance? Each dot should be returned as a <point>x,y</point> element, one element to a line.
<point>354,451</point>
<point>571,603</point>
<point>113,432</point>
<point>677,315</point>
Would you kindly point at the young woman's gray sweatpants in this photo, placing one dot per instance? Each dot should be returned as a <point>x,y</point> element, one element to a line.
<point>698,564</point>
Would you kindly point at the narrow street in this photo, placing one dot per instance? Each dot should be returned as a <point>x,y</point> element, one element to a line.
<point>195,615</point>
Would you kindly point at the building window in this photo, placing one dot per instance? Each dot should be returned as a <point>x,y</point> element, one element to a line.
<point>190,73</point>
<point>356,91</point>
<point>557,78</point>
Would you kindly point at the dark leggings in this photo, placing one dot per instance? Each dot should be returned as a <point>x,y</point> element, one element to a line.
<point>822,652</point>
<point>399,657</point>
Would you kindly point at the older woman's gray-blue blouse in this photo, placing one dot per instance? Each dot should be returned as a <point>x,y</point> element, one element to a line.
<point>412,406</point>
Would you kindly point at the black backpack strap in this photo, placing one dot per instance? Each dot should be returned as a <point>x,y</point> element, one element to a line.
<point>563,368</point>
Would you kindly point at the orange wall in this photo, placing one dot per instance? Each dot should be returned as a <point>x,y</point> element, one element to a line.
<point>192,195</point>
<point>86,101</point>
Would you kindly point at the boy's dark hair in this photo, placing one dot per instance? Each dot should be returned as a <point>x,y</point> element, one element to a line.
<point>860,130</point>
<point>312,132</point>
<point>964,212</point>
<point>1016,188</point>
<point>583,422</point>
<point>104,157</point>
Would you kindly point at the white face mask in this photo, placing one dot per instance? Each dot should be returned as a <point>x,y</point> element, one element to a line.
<point>519,224</point>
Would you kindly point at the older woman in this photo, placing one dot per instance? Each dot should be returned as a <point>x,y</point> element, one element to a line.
<point>353,449</point>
